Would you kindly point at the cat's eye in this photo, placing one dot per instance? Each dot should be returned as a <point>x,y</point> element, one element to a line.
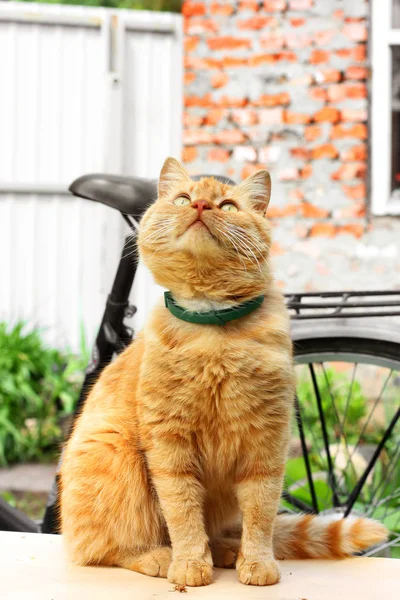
<point>182,201</point>
<point>229,207</point>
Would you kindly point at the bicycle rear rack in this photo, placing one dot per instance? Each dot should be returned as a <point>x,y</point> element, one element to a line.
<point>339,305</point>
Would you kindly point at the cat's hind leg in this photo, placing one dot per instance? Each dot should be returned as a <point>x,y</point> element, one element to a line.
<point>224,552</point>
<point>154,563</point>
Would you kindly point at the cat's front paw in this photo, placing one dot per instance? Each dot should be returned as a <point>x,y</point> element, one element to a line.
<point>257,572</point>
<point>190,572</point>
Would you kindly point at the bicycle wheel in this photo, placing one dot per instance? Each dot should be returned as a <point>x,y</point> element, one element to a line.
<point>345,449</point>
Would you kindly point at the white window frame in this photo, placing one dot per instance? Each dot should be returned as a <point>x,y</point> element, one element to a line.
<point>383,37</point>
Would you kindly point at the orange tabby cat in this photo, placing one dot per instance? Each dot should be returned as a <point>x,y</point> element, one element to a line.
<point>189,427</point>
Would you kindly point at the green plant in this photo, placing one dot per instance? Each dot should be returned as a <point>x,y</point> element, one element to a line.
<point>159,5</point>
<point>38,385</point>
<point>346,411</point>
<point>343,403</point>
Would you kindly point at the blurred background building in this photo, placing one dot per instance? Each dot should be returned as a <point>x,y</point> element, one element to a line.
<point>306,88</point>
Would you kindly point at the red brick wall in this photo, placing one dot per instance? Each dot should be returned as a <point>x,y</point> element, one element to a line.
<point>282,84</point>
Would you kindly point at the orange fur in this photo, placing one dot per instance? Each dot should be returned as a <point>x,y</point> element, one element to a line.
<point>190,425</point>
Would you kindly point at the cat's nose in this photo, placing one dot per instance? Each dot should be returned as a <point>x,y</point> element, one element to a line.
<point>201,205</point>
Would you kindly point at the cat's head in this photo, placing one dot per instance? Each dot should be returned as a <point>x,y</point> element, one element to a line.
<point>206,238</point>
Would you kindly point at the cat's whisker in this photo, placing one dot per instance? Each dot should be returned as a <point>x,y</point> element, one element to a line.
<point>225,234</point>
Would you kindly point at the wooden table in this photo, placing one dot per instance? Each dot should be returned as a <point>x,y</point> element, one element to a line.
<point>33,567</point>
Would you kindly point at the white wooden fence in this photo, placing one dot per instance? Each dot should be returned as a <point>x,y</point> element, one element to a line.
<point>81,90</point>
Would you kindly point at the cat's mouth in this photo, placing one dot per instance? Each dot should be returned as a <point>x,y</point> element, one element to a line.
<point>198,224</point>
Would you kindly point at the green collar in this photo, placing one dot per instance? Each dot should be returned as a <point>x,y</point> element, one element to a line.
<point>211,317</point>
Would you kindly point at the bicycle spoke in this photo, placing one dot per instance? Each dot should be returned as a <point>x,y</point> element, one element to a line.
<point>366,424</point>
<point>342,435</point>
<point>388,544</point>
<point>384,482</point>
<point>332,479</point>
<point>346,409</point>
<point>363,478</point>
<point>305,455</point>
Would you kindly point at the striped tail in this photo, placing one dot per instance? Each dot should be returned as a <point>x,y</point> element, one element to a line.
<point>308,536</point>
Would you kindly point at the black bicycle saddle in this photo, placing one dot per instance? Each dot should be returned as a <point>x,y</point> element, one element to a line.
<point>129,195</point>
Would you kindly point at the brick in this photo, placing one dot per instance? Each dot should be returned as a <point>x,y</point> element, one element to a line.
<point>260,59</point>
<point>338,14</point>
<point>191,9</point>
<point>230,102</point>
<point>244,116</point>
<point>304,80</point>
<point>327,114</point>
<point>357,90</point>
<point>276,249</point>
<point>323,229</point>
<point>230,61</point>
<point>189,154</point>
<point>318,93</point>
<point>190,120</point>
<point>189,77</point>
<point>328,76</point>
<point>300,4</point>
<point>350,171</point>
<point>354,114</point>
<point>324,151</point>
<point>297,22</point>
<point>357,32</point>
<point>197,136</point>
<point>296,194</point>
<point>269,154</point>
<point>296,40</point>
<point>322,38</point>
<point>229,136</point>
<point>355,229</point>
<point>221,8</point>
<point>272,40</point>
<point>355,153</point>
<point>205,100</point>
<point>296,118</point>
<point>194,62</point>
<point>219,80</point>
<point>201,26</point>
<point>341,91</point>
<point>218,155</point>
<point>288,174</point>
<point>250,170</point>
<point>344,131</point>
<point>355,209</point>
<point>257,22</point>
<point>274,5</point>
<point>355,192</point>
<point>356,72</point>
<point>358,54</point>
<point>337,93</point>
<point>312,132</point>
<point>270,116</point>
<point>301,153</point>
<point>318,57</point>
<point>276,212</point>
<point>228,43</point>
<point>281,99</point>
<point>306,172</point>
<point>214,116</point>
<point>310,211</point>
<point>252,5</point>
<point>244,154</point>
<point>191,43</point>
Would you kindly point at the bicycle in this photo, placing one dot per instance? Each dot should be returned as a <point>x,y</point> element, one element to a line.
<point>332,466</point>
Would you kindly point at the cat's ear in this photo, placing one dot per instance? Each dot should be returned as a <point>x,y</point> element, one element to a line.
<point>257,188</point>
<point>172,173</point>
